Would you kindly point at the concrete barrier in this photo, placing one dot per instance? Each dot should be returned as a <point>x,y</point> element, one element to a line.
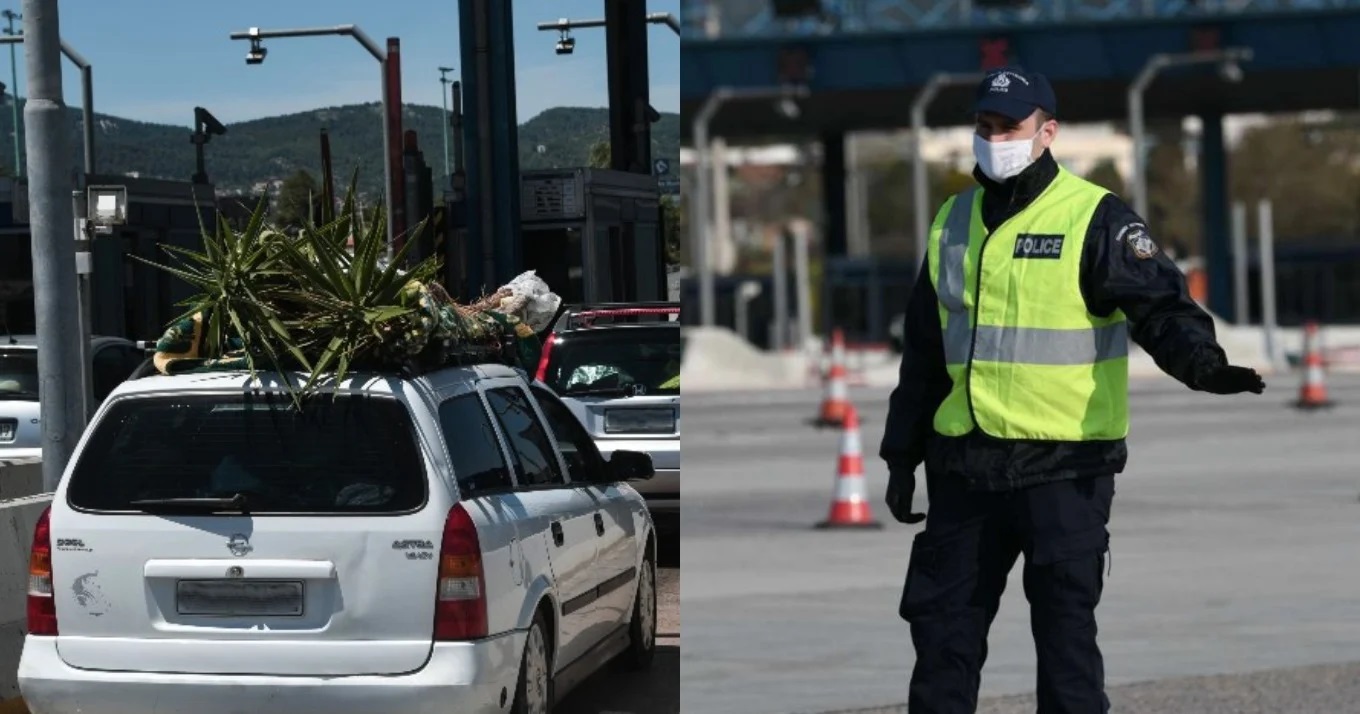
<point>18,517</point>
<point>20,478</point>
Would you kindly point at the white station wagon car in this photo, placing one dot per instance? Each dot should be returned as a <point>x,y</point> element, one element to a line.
<point>451,543</point>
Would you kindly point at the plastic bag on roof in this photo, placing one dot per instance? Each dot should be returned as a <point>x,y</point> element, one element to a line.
<point>532,300</point>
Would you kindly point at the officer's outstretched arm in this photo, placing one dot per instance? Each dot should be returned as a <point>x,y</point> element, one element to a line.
<point>1124,268</point>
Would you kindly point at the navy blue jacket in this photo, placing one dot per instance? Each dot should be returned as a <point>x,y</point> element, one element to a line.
<point>1116,273</point>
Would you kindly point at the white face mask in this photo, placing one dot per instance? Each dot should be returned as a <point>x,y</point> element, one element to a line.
<point>1001,160</point>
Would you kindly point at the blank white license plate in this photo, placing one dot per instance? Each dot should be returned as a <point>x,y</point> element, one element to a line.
<point>239,597</point>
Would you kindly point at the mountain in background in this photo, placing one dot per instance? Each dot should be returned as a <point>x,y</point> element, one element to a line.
<point>266,151</point>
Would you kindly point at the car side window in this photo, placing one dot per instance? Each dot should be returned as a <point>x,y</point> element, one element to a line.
<point>584,462</point>
<point>474,451</point>
<point>535,461</point>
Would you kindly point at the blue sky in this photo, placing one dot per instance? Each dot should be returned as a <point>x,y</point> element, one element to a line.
<point>154,60</point>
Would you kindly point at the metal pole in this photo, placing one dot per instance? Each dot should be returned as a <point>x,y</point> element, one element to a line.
<point>721,204</point>
<point>87,94</point>
<point>86,101</point>
<point>781,292</point>
<point>444,101</point>
<point>87,114</point>
<point>11,16</point>
<point>749,290</point>
<point>54,259</point>
<point>703,206</point>
<point>665,18</point>
<point>1154,65</point>
<point>84,266</point>
<point>563,24</point>
<point>379,54</point>
<point>1137,132</point>
<point>920,190</point>
<point>1266,225</point>
<point>802,287</point>
<point>1239,238</point>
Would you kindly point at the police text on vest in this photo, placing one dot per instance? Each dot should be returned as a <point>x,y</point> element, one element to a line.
<point>1032,245</point>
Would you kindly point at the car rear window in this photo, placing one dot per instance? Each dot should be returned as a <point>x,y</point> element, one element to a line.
<point>350,454</point>
<point>622,360</point>
<point>18,374</point>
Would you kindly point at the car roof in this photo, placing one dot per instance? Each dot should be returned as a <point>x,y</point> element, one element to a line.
<point>442,381</point>
<point>634,314</point>
<point>30,342</point>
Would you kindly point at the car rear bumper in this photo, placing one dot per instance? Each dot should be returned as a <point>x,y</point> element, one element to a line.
<point>464,677</point>
<point>16,453</point>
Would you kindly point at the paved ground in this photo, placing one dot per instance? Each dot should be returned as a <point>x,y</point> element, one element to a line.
<point>1234,540</point>
<point>653,692</point>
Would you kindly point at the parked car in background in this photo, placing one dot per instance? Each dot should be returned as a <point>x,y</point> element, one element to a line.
<point>113,360</point>
<point>452,542</point>
<point>617,366</point>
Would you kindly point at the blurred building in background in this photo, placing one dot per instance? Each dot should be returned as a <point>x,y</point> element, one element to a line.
<point>1281,126</point>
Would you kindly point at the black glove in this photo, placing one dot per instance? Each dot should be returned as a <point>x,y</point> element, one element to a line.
<point>1227,379</point>
<point>901,488</point>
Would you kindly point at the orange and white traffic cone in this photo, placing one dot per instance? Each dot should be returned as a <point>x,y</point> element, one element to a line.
<point>837,400</point>
<point>849,503</point>
<point>1313,391</point>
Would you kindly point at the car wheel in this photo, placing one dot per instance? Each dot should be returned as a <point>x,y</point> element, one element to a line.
<point>533,694</point>
<point>642,631</point>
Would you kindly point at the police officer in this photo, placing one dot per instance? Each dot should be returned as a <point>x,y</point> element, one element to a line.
<point>1013,392</point>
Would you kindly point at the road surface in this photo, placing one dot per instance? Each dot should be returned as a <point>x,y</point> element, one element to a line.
<point>1235,531</point>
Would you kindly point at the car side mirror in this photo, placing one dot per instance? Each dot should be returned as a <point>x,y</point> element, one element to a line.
<point>630,466</point>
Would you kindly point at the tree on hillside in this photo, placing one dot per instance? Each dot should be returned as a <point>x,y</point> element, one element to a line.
<point>1106,175</point>
<point>601,155</point>
<point>299,198</point>
<point>1308,171</point>
<point>1173,197</point>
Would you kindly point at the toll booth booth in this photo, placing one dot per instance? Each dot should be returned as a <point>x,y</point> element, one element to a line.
<point>128,298</point>
<point>594,235</point>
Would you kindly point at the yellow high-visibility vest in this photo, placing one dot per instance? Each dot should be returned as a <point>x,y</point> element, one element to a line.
<point>1027,359</point>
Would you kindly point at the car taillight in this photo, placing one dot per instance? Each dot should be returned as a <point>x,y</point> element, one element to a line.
<point>42,609</point>
<point>543,360</point>
<point>460,610</point>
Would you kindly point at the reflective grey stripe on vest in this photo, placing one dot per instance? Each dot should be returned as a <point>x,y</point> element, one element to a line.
<point>1020,345</point>
<point>1043,345</point>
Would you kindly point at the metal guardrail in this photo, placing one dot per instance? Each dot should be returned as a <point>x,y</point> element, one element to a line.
<point>732,19</point>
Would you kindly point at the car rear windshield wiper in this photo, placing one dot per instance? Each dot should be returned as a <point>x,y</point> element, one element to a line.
<point>194,505</point>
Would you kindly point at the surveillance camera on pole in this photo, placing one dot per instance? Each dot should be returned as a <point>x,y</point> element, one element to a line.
<point>257,51</point>
<point>567,44</point>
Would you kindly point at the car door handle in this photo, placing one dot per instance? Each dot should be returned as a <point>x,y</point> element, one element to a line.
<point>599,525</point>
<point>557,532</point>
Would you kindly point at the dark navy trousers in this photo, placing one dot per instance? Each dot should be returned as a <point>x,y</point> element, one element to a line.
<point>958,570</point>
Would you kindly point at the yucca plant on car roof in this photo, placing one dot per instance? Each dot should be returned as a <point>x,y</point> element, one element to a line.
<point>241,283</point>
<point>347,306</point>
<point>268,299</point>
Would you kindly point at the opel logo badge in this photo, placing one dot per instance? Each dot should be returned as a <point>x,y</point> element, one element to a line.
<point>239,545</point>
